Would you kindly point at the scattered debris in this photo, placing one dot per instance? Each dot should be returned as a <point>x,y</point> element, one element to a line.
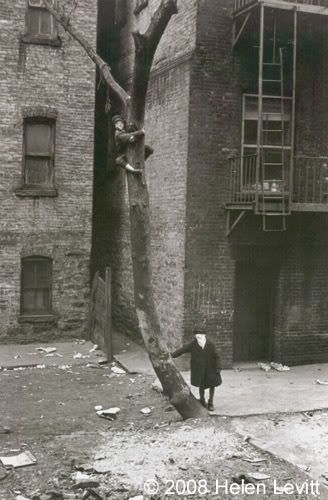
<point>253,460</point>
<point>156,386</point>
<point>279,367</point>
<point>138,497</point>
<point>65,367</point>
<point>132,380</point>
<point>146,411</point>
<point>264,366</point>
<point>110,413</point>
<point>5,430</point>
<point>98,407</point>
<point>78,355</point>
<point>241,478</point>
<point>4,473</point>
<point>93,365</point>
<point>321,382</point>
<point>80,341</point>
<point>304,468</point>
<point>119,371</point>
<point>85,468</point>
<point>94,348</point>
<point>102,361</point>
<point>20,497</point>
<point>22,460</point>
<point>258,476</point>
<point>279,490</point>
<point>46,350</point>
<point>40,367</point>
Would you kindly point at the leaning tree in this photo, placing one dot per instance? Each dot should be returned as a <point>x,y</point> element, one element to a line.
<point>133,103</point>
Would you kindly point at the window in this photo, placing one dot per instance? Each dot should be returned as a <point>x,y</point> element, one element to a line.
<point>40,23</point>
<point>39,152</point>
<point>36,286</point>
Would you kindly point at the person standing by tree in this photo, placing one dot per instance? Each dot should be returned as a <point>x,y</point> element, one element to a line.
<point>205,365</point>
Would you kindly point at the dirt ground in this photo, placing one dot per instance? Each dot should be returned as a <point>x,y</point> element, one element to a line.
<point>50,412</point>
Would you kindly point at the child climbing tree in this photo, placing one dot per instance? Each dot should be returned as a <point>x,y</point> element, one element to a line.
<point>133,110</point>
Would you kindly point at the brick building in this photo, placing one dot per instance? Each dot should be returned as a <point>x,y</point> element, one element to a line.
<point>238,116</point>
<point>47,94</point>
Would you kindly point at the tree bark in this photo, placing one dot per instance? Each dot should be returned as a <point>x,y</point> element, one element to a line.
<point>146,44</point>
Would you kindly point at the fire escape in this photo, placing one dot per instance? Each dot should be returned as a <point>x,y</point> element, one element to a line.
<point>269,178</point>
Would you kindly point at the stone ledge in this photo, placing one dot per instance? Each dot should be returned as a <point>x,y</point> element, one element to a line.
<point>38,318</point>
<point>36,192</point>
<point>36,40</point>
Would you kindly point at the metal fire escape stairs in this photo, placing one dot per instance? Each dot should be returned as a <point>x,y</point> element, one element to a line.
<point>272,199</point>
<point>275,165</point>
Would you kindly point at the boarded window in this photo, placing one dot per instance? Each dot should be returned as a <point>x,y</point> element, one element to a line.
<point>39,143</point>
<point>36,285</point>
<point>39,21</point>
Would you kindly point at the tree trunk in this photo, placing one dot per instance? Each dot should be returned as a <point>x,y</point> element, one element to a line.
<point>146,44</point>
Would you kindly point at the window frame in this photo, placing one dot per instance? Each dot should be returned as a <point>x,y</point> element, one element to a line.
<point>36,313</point>
<point>47,188</point>
<point>51,38</point>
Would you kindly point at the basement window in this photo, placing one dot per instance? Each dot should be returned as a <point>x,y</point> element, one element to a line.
<point>39,157</point>
<point>36,286</point>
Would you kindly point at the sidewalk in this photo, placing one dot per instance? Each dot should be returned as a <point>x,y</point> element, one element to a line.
<point>250,391</point>
<point>244,392</point>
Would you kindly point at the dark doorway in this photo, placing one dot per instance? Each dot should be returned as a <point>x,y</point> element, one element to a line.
<point>253,320</point>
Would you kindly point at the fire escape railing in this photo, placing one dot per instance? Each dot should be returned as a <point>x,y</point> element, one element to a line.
<point>240,4</point>
<point>309,185</point>
<point>243,179</point>
<point>310,180</point>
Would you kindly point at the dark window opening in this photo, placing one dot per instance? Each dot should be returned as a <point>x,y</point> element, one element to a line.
<point>36,286</point>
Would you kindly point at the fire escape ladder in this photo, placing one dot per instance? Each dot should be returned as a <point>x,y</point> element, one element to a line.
<point>273,197</point>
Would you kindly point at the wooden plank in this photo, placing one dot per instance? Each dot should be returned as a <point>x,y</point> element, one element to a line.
<point>91,314</point>
<point>108,317</point>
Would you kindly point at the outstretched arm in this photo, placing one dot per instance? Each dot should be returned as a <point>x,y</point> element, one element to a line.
<point>185,348</point>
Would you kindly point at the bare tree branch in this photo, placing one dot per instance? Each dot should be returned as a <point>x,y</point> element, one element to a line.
<point>104,68</point>
<point>145,48</point>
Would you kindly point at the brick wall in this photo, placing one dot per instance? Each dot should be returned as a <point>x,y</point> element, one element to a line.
<point>167,119</point>
<point>193,121</point>
<point>302,322</point>
<point>213,135</point>
<point>301,304</point>
<point>48,78</point>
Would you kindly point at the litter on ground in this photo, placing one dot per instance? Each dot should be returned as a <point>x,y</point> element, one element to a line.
<point>22,460</point>
<point>145,411</point>
<point>258,476</point>
<point>46,350</point>
<point>321,382</point>
<point>110,412</point>
<point>279,367</point>
<point>117,370</point>
<point>264,366</point>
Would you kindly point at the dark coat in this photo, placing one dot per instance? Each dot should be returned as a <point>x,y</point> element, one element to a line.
<point>205,364</point>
